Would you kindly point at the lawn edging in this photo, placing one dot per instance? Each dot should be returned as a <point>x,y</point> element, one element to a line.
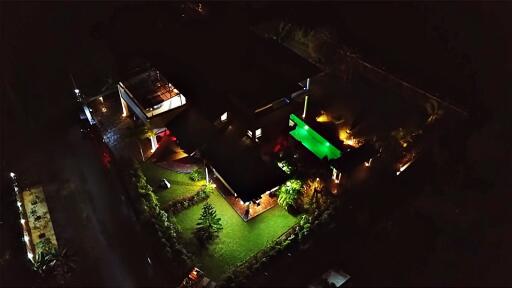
<point>182,204</point>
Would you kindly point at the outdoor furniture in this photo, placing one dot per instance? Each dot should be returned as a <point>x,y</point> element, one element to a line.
<point>165,184</point>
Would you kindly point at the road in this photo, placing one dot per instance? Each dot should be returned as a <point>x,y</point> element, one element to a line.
<point>90,212</point>
<point>42,144</point>
<point>106,230</point>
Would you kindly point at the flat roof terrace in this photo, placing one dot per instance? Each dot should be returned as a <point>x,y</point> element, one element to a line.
<point>151,88</point>
<point>150,93</point>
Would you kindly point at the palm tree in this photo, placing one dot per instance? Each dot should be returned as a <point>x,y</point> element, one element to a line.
<point>433,110</point>
<point>313,192</point>
<point>283,31</point>
<point>151,134</point>
<point>142,132</point>
<point>52,261</point>
<point>44,261</point>
<point>64,265</point>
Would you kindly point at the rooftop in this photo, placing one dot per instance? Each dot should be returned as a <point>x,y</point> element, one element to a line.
<point>150,89</point>
<point>246,70</point>
<point>264,71</point>
<point>240,165</point>
<point>242,168</point>
<point>191,129</point>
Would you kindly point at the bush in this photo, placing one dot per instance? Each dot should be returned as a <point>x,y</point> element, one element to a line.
<point>184,203</point>
<point>289,192</point>
<point>164,223</point>
<point>287,168</point>
<point>196,175</point>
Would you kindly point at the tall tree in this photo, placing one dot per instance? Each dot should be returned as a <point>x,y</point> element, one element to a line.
<point>209,224</point>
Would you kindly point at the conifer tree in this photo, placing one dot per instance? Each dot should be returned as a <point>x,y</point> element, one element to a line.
<point>208,225</point>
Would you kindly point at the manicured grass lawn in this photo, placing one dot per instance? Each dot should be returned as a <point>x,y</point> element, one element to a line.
<point>181,185</point>
<point>237,241</point>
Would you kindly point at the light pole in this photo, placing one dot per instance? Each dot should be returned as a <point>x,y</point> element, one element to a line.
<point>305,107</point>
<point>206,169</point>
<point>76,90</point>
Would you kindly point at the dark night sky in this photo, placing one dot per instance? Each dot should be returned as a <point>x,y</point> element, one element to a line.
<point>459,51</point>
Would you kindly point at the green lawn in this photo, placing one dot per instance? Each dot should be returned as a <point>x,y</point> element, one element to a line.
<point>237,241</point>
<point>181,185</point>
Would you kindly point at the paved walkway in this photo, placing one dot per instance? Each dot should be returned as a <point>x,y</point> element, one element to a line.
<point>177,166</point>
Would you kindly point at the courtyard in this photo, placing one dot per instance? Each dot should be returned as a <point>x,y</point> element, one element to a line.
<point>238,240</point>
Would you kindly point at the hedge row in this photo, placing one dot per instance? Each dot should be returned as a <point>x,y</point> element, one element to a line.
<point>184,203</point>
<point>164,223</point>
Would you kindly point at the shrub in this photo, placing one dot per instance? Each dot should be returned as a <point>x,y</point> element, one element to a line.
<point>287,168</point>
<point>196,175</point>
<point>289,192</point>
<point>182,204</point>
<point>164,223</point>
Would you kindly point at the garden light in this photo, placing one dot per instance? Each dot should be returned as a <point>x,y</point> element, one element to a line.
<point>402,168</point>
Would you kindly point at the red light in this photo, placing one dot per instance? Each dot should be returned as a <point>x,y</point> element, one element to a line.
<point>164,133</point>
<point>106,159</point>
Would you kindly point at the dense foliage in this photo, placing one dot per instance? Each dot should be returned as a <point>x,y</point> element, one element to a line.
<point>45,258</point>
<point>184,203</point>
<point>287,168</point>
<point>289,192</point>
<point>313,195</point>
<point>196,175</point>
<point>164,223</point>
<point>53,263</point>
